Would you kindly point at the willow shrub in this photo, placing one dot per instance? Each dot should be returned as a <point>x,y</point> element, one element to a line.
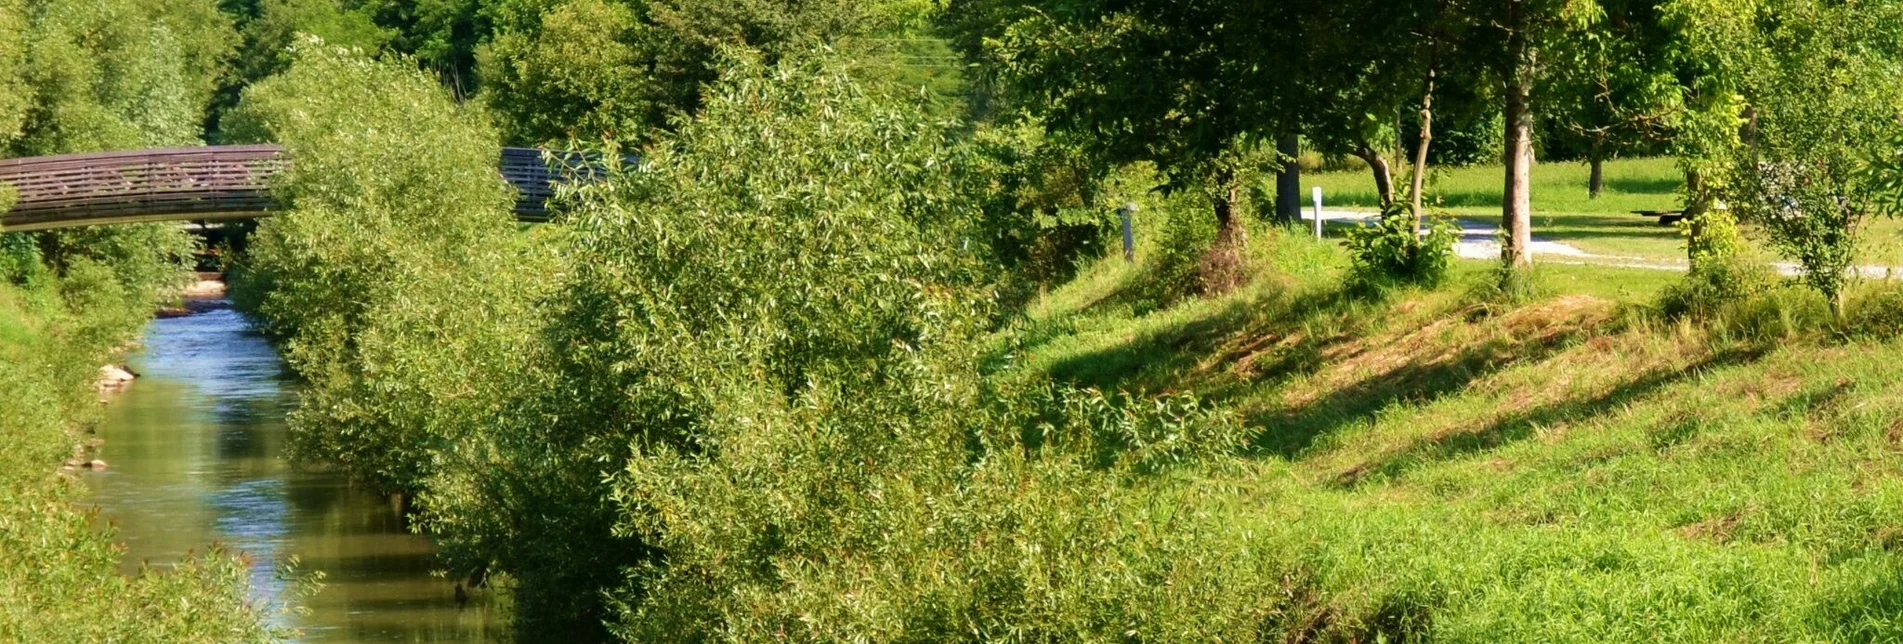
<point>762,417</point>
<point>395,278</point>
<point>733,393</point>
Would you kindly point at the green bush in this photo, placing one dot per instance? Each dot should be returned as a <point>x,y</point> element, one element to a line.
<point>1172,262</point>
<point>394,273</point>
<point>1721,275</point>
<point>1733,294</point>
<point>1392,251</point>
<point>19,257</point>
<point>1049,207</point>
<point>1122,431</point>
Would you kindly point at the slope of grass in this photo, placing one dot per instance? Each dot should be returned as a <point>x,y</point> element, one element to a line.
<point>1571,469</point>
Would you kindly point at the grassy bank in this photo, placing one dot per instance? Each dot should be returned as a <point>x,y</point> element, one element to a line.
<point>1567,469</point>
<point>59,575</point>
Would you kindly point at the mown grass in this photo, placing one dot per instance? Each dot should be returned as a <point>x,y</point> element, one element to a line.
<point>59,574</point>
<point>1562,208</point>
<point>1569,469</point>
<point>1563,211</point>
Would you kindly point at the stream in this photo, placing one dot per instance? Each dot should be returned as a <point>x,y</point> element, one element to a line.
<point>195,455</point>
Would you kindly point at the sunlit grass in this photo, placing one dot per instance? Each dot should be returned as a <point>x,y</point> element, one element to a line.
<point>1563,211</point>
<point>1570,469</point>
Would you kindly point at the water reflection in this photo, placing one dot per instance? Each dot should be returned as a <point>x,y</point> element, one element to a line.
<point>195,453</point>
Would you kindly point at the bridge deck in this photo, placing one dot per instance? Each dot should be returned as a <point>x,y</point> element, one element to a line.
<point>212,182</point>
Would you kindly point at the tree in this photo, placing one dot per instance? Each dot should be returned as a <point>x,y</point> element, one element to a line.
<point>1616,88</point>
<point>584,72</point>
<point>1820,155</point>
<point>1716,45</point>
<point>612,69</point>
<point>110,75</point>
<point>13,81</point>
<point>1364,59</point>
<point>1091,69</point>
<point>1525,30</point>
<point>1371,62</point>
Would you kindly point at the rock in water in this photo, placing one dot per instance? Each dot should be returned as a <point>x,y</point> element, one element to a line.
<point>114,378</point>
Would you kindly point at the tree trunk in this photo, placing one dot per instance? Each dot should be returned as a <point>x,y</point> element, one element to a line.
<point>1517,208</point>
<point>1420,155</point>
<point>1383,174</point>
<point>1288,182</point>
<point>1222,267</point>
<point>1696,203</point>
<point>1597,183</point>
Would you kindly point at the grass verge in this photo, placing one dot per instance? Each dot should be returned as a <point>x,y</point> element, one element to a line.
<point>1564,212</point>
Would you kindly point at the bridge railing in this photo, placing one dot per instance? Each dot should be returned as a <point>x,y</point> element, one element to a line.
<point>118,187</point>
<point>212,182</point>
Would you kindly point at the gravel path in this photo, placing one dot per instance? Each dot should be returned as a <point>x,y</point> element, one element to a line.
<point>1480,240</point>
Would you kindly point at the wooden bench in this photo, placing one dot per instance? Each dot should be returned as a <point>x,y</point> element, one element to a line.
<point>1666,217</point>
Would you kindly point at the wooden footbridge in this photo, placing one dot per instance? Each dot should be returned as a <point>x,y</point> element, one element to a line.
<point>203,183</point>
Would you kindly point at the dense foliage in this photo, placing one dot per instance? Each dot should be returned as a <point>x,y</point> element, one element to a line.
<point>616,70</point>
<point>395,221</point>
<point>775,373</point>
<point>758,364</point>
<point>79,77</point>
<point>1819,155</point>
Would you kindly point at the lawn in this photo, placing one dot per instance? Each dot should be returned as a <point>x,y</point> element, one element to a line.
<point>1563,211</point>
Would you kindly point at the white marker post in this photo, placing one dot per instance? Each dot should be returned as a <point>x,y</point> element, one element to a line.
<point>1318,212</point>
<point>1129,233</point>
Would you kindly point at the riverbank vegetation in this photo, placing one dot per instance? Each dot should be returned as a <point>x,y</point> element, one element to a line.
<point>59,572</point>
<point>764,384</point>
<point>77,77</point>
<point>829,339</point>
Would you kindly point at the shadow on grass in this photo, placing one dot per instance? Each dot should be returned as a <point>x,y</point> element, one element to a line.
<point>1602,226</point>
<point>1867,611</point>
<point>1645,186</point>
<point>1162,359</point>
<point>1289,432</point>
<point>1147,361</point>
<point>1522,424</point>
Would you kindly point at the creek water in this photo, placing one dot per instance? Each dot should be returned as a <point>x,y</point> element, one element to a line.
<point>195,450</point>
